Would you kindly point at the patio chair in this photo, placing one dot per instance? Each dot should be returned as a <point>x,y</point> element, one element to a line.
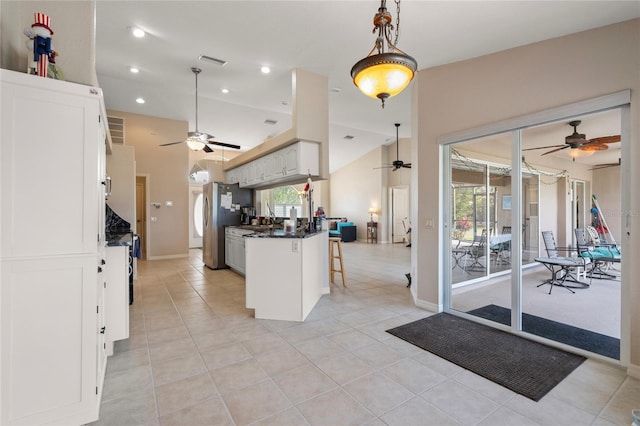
<point>477,250</point>
<point>561,267</point>
<point>602,256</point>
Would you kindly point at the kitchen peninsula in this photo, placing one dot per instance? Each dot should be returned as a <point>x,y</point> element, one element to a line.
<point>286,273</point>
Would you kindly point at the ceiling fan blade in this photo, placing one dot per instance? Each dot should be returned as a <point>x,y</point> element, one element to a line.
<point>557,149</point>
<point>226,145</point>
<point>172,143</point>
<point>407,165</point>
<point>207,149</point>
<point>606,139</point>
<point>543,147</point>
<point>604,166</point>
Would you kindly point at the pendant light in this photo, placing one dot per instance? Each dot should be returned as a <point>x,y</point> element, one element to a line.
<point>386,71</point>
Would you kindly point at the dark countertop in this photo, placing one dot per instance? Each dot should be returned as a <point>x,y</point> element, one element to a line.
<point>119,239</point>
<point>279,233</point>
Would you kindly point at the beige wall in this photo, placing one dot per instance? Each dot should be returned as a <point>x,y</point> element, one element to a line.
<point>168,180</point>
<point>357,187</point>
<point>73,25</point>
<point>513,83</point>
<point>121,169</point>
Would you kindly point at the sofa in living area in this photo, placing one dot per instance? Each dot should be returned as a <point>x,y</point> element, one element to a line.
<point>341,228</point>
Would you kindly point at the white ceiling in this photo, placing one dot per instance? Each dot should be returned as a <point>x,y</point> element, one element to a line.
<point>325,37</point>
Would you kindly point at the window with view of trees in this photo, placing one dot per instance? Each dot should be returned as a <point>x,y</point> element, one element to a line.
<point>284,198</point>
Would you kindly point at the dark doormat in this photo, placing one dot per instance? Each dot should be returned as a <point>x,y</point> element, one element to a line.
<point>526,367</point>
<point>573,336</point>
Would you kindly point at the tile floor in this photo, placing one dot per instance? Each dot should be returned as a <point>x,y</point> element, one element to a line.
<point>196,356</point>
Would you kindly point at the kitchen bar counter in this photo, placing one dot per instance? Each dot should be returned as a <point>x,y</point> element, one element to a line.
<point>286,275</point>
<point>266,231</point>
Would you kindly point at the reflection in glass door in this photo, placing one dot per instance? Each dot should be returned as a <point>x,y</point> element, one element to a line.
<point>480,222</point>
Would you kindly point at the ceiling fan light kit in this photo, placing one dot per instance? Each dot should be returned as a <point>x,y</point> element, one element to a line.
<point>386,71</point>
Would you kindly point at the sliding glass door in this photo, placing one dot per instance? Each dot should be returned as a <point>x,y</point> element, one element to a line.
<point>504,192</point>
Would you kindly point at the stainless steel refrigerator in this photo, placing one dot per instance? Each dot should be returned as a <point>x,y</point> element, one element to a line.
<point>222,206</point>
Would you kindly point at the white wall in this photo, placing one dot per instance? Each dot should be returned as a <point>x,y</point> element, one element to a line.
<point>73,24</point>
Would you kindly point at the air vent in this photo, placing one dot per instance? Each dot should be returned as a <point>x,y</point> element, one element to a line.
<point>349,137</point>
<point>116,128</point>
<point>271,122</point>
<point>212,59</point>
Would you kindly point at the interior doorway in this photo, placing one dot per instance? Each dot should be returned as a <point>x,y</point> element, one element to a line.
<point>399,208</point>
<point>141,213</point>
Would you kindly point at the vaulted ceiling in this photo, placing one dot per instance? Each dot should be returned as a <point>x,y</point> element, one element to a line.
<point>325,37</point>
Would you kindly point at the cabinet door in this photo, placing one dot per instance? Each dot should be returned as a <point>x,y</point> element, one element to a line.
<point>49,325</point>
<point>291,160</point>
<point>117,293</point>
<point>49,167</point>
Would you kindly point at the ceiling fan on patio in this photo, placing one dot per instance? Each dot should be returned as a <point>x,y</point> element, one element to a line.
<point>579,141</point>
<point>397,163</point>
<point>199,140</point>
<point>606,165</point>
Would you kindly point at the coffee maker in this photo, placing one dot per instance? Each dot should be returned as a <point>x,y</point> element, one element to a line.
<point>247,213</point>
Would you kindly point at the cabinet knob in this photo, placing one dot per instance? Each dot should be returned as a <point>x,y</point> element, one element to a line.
<point>99,269</point>
<point>102,330</point>
<point>103,262</point>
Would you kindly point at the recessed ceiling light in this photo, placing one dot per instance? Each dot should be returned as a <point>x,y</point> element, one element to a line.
<point>137,32</point>
<point>134,70</point>
<point>224,90</point>
<point>265,70</point>
<point>140,100</point>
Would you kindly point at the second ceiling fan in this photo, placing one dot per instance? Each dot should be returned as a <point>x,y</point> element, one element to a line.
<point>199,140</point>
<point>579,141</point>
<point>397,163</point>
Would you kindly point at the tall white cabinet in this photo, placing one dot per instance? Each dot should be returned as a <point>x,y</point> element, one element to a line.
<point>52,157</point>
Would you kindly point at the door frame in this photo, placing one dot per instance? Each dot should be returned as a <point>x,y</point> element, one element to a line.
<point>391,202</point>
<point>147,229</point>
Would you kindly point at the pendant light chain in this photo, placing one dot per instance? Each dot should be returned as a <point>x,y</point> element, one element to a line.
<point>395,42</point>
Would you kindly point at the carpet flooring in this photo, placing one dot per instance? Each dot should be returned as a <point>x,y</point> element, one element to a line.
<point>573,336</point>
<point>526,367</point>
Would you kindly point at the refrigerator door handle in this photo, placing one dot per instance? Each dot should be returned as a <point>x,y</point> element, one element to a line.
<point>207,208</point>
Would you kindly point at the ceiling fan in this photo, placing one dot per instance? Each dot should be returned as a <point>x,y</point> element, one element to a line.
<point>604,166</point>
<point>198,140</point>
<point>579,141</point>
<point>397,164</point>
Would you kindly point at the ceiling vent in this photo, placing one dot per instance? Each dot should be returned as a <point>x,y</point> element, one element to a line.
<point>213,60</point>
<point>116,128</point>
<point>271,122</point>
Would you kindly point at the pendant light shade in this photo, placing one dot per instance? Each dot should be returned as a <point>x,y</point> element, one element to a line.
<point>386,71</point>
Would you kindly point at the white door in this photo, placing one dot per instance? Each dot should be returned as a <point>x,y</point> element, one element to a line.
<point>399,199</point>
<point>195,216</point>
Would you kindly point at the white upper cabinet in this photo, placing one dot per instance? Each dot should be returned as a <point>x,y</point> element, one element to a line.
<point>50,166</point>
<point>287,165</point>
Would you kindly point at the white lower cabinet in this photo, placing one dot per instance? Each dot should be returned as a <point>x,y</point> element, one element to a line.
<point>117,295</point>
<point>234,243</point>
<point>49,321</point>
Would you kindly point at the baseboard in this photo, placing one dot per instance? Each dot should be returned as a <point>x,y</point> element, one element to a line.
<point>167,257</point>
<point>432,307</point>
<point>633,370</point>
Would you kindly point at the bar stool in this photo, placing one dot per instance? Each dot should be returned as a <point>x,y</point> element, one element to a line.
<point>338,242</point>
